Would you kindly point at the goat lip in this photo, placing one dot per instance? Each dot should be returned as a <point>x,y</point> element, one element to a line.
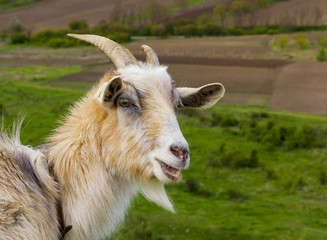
<point>171,173</point>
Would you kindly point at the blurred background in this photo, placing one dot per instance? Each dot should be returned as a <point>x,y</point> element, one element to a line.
<point>258,159</point>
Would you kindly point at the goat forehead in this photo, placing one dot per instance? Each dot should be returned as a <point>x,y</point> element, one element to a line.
<point>148,79</point>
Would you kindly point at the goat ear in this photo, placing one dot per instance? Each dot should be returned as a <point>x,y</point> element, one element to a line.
<point>109,91</point>
<point>202,97</point>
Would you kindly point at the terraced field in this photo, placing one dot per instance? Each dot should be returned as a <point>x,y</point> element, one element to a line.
<point>252,73</point>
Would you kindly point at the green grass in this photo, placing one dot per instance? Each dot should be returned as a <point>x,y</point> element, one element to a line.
<point>33,75</point>
<point>6,5</point>
<point>283,196</point>
<point>241,203</point>
<point>24,91</point>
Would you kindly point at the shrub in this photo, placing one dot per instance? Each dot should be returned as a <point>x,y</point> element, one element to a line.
<point>259,115</point>
<point>158,30</point>
<point>43,36</point>
<point>270,174</point>
<point>322,41</point>
<point>234,159</point>
<point>78,24</point>
<point>228,121</point>
<point>253,159</point>
<point>2,110</point>
<point>302,137</point>
<point>119,37</point>
<point>222,147</point>
<point>322,177</point>
<point>193,186</point>
<point>18,38</point>
<point>293,183</point>
<point>282,41</point>
<point>4,35</point>
<point>250,162</point>
<point>146,30</point>
<point>186,30</point>
<point>191,113</point>
<point>205,18</point>
<point>273,31</point>
<point>228,157</point>
<point>321,56</point>
<point>117,27</point>
<point>302,42</point>
<point>298,183</point>
<point>15,26</point>
<point>275,136</point>
<point>212,29</point>
<point>272,134</point>
<point>183,22</point>
<point>259,30</point>
<point>60,42</point>
<point>235,195</point>
<point>235,31</point>
<point>223,121</point>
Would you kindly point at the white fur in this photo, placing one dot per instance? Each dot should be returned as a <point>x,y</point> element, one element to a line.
<point>156,192</point>
<point>106,158</point>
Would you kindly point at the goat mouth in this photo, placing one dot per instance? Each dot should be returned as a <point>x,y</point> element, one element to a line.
<point>172,173</point>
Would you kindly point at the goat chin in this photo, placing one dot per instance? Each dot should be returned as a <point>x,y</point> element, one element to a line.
<point>101,154</point>
<point>155,192</point>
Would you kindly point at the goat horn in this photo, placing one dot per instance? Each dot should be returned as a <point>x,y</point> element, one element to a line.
<point>119,55</point>
<point>151,56</point>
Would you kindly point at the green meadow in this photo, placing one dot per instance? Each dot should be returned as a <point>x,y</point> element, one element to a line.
<point>255,173</point>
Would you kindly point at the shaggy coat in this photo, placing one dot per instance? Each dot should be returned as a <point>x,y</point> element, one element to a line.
<point>120,139</point>
<point>102,155</point>
<point>27,193</point>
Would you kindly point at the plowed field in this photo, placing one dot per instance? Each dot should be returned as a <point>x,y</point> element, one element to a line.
<point>251,75</point>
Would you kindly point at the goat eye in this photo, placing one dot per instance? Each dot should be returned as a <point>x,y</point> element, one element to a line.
<point>124,102</point>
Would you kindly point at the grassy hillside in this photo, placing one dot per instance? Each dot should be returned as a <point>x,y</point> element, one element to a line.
<point>254,174</point>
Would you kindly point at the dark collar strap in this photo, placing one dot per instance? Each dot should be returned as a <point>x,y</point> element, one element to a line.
<point>63,230</point>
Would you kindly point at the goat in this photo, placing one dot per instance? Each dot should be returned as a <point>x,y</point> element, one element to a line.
<point>28,194</point>
<point>120,139</point>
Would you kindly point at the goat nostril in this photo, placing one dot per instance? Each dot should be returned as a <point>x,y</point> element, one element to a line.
<point>179,152</point>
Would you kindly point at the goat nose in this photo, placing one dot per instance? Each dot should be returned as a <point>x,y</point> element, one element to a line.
<point>180,152</point>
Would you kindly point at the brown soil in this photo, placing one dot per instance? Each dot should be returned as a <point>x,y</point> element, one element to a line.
<point>290,11</point>
<point>197,10</point>
<point>301,87</point>
<point>244,47</point>
<point>235,79</point>
<point>244,85</point>
<point>282,85</point>
<point>256,63</point>
<point>58,13</point>
<point>89,76</point>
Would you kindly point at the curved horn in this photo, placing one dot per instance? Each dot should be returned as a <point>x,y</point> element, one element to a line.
<point>151,56</point>
<point>119,55</point>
